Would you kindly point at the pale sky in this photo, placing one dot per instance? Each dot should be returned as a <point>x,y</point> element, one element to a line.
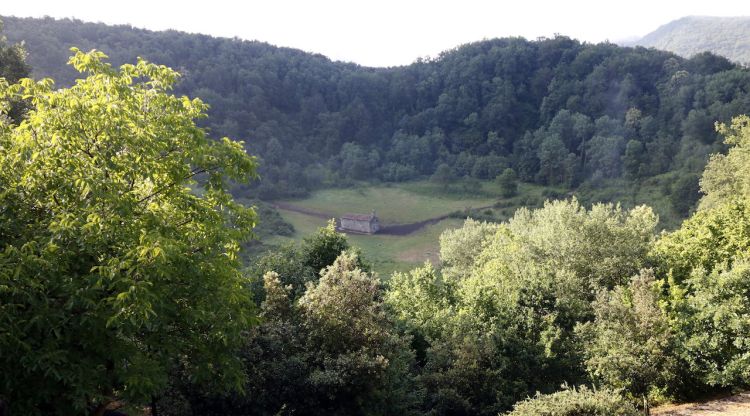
<point>384,32</point>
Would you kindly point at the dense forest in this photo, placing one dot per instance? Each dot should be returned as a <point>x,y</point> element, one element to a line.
<point>555,111</point>
<point>725,36</point>
<point>121,286</point>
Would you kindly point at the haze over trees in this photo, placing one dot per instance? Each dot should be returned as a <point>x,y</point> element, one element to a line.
<point>692,35</point>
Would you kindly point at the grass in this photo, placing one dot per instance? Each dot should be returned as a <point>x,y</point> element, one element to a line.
<point>420,200</point>
<point>393,204</point>
<point>387,253</point>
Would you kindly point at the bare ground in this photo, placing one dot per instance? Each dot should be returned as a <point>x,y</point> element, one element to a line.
<point>737,405</point>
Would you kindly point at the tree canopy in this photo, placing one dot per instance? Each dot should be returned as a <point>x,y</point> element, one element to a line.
<point>119,241</point>
<point>555,110</point>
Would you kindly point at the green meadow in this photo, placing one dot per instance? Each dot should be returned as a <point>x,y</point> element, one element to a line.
<point>422,200</point>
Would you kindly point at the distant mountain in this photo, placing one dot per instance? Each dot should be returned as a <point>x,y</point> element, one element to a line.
<point>725,36</point>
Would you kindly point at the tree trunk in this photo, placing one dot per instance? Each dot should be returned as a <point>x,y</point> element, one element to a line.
<point>646,409</point>
<point>154,411</point>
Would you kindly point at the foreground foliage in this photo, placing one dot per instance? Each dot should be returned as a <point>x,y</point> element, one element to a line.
<point>498,323</point>
<point>331,350</point>
<point>113,272</point>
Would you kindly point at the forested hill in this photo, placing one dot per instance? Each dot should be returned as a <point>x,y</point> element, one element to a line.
<point>725,36</point>
<point>557,111</point>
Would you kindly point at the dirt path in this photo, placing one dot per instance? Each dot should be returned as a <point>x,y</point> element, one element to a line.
<point>737,405</point>
<point>394,229</point>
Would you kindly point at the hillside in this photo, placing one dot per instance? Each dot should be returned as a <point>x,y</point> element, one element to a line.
<point>122,283</point>
<point>725,36</point>
<point>557,111</point>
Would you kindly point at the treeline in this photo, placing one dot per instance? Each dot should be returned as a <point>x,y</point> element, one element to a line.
<point>556,111</point>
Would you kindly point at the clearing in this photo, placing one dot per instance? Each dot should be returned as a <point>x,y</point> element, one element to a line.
<point>414,214</point>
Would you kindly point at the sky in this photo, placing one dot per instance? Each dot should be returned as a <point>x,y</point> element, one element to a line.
<point>385,32</point>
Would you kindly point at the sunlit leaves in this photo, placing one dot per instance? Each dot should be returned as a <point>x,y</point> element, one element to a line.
<point>114,271</point>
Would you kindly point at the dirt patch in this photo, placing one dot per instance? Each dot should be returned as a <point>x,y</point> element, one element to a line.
<point>737,405</point>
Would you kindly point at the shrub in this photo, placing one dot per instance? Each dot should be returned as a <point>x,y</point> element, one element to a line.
<point>575,402</point>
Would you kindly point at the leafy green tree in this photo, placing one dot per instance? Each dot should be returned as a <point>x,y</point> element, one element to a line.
<point>296,264</point>
<point>359,357</point>
<point>605,155</point>
<point>630,345</point>
<point>709,239</point>
<point>685,193</point>
<point>498,323</point>
<point>13,67</point>
<point>459,248</point>
<point>633,159</point>
<point>321,249</point>
<point>552,161</point>
<point>713,321</point>
<point>726,177</point>
<point>508,182</point>
<point>113,270</point>
<point>444,175</point>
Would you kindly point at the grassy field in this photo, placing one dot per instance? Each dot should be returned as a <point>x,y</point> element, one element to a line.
<point>394,205</point>
<point>401,204</point>
<point>421,200</point>
<point>387,253</point>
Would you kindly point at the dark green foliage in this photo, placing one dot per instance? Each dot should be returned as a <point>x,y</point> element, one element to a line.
<point>555,110</point>
<point>333,351</point>
<point>444,175</point>
<point>685,193</point>
<point>270,222</point>
<point>13,67</point>
<point>576,402</point>
<point>508,182</point>
<point>633,159</point>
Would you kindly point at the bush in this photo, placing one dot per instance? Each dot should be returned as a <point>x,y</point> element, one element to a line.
<point>575,402</point>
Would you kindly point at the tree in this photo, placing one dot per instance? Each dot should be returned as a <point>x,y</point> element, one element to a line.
<point>497,322</point>
<point>332,351</point>
<point>726,177</point>
<point>713,322</point>
<point>630,344</point>
<point>508,183</point>
<point>13,67</point>
<point>114,271</point>
<point>633,159</point>
<point>444,175</point>
<point>685,193</point>
<point>575,402</point>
